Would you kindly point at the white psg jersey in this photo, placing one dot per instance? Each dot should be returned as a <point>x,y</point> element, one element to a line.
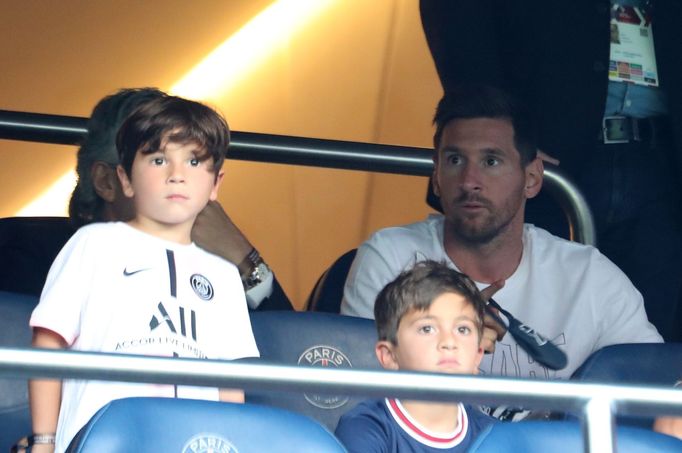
<point>113,288</point>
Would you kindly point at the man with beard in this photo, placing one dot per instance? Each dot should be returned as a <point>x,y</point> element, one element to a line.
<point>485,168</point>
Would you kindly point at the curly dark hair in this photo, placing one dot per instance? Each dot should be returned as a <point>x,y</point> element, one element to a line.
<point>100,146</point>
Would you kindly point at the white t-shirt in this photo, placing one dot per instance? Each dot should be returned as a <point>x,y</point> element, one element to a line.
<point>113,288</point>
<point>568,292</point>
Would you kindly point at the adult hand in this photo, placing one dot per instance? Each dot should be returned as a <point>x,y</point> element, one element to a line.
<point>214,232</point>
<point>493,331</point>
<point>671,426</point>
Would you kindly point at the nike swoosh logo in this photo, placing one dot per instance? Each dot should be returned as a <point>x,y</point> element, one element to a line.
<point>128,274</point>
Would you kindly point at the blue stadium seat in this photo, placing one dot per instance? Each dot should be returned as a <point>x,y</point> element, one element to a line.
<point>15,418</point>
<point>635,364</point>
<point>189,426</point>
<point>565,437</point>
<point>313,339</point>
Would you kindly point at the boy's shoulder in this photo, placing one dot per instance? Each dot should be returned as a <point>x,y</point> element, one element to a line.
<point>95,233</point>
<point>366,427</point>
<point>100,228</point>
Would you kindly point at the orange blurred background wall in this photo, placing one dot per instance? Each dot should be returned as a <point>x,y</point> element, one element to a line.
<point>338,69</point>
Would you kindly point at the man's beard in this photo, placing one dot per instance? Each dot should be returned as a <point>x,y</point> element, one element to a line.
<point>479,233</point>
<point>485,227</point>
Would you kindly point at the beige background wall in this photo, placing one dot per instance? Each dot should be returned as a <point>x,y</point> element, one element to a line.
<point>357,71</point>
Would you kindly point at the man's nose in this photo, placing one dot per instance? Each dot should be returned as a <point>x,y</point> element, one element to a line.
<point>470,178</point>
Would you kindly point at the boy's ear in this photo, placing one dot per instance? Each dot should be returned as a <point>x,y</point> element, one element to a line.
<point>216,186</point>
<point>104,181</point>
<point>479,357</point>
<point>386,355</point>
<point>125,182</point>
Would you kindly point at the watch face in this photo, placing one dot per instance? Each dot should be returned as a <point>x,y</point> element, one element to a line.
<point>261,271</point>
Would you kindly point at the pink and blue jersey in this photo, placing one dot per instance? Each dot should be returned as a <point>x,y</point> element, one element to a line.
<point>385,426</point>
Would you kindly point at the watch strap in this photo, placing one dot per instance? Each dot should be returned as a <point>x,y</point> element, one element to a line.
<point>249,262</point>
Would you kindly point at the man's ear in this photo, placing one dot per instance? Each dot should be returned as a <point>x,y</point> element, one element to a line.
<point>386,355</point>
<point>104,181</point>
<point>534,172</point>
<point>125,182</point>
<point>216,186</point>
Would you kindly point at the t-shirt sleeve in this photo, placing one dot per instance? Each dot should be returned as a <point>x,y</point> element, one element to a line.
<point>370,272</point>
<point>361,433</point>
<point>620,314</point>
<point>236,335</point>
<point>66,288</point>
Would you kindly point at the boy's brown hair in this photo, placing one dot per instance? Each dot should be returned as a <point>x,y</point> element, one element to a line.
<point>176,120</point>
<point>416,289</point>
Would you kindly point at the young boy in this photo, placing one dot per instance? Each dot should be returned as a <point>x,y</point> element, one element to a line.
<point>143,287</point>
<point>428,319</point>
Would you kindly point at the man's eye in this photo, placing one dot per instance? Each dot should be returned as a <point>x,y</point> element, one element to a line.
<point>491,162</point>
<point>454,159</point>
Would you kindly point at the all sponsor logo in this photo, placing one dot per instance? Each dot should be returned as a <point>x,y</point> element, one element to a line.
<point>201,286</point>
<point>325,356</point>
<point>208,443</point>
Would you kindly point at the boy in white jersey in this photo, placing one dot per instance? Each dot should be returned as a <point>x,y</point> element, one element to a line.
<point>143,287</point>
<point>428,319</point>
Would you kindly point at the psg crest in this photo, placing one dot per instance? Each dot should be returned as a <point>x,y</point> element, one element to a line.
<point>208,443</point>
<point>201,286</point>
<point>325,356</point>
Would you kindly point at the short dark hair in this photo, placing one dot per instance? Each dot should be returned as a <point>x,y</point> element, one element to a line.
<point>483,101</point>
<point>86,206</point>
<point>416,289</point>
<point>177,120</point>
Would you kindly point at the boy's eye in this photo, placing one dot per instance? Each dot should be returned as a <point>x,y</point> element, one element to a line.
<point>158,160</point>
<point>426,329</point>
<point>194,162</point>
<point>464,330</point>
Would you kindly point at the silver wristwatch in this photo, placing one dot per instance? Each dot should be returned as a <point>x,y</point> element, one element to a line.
<point>257,271</point>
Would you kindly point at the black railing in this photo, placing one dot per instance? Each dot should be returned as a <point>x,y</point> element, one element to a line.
<point>68,130</point>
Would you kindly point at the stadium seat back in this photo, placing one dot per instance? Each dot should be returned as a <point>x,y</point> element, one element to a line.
<point>634,364</point>
<point>28,246</point>
<point>15,419</point>
<point>327,294</point>
<point>313,339</point>
<point>191,426</point>
<point>565,437</point>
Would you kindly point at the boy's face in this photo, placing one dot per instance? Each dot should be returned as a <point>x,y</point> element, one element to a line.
<point>442,339</point>
<point>170,186</point>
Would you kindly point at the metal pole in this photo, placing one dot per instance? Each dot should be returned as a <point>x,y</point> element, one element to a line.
<point>599,426</point>
<point>68,130</point>
<point>257,375</point>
